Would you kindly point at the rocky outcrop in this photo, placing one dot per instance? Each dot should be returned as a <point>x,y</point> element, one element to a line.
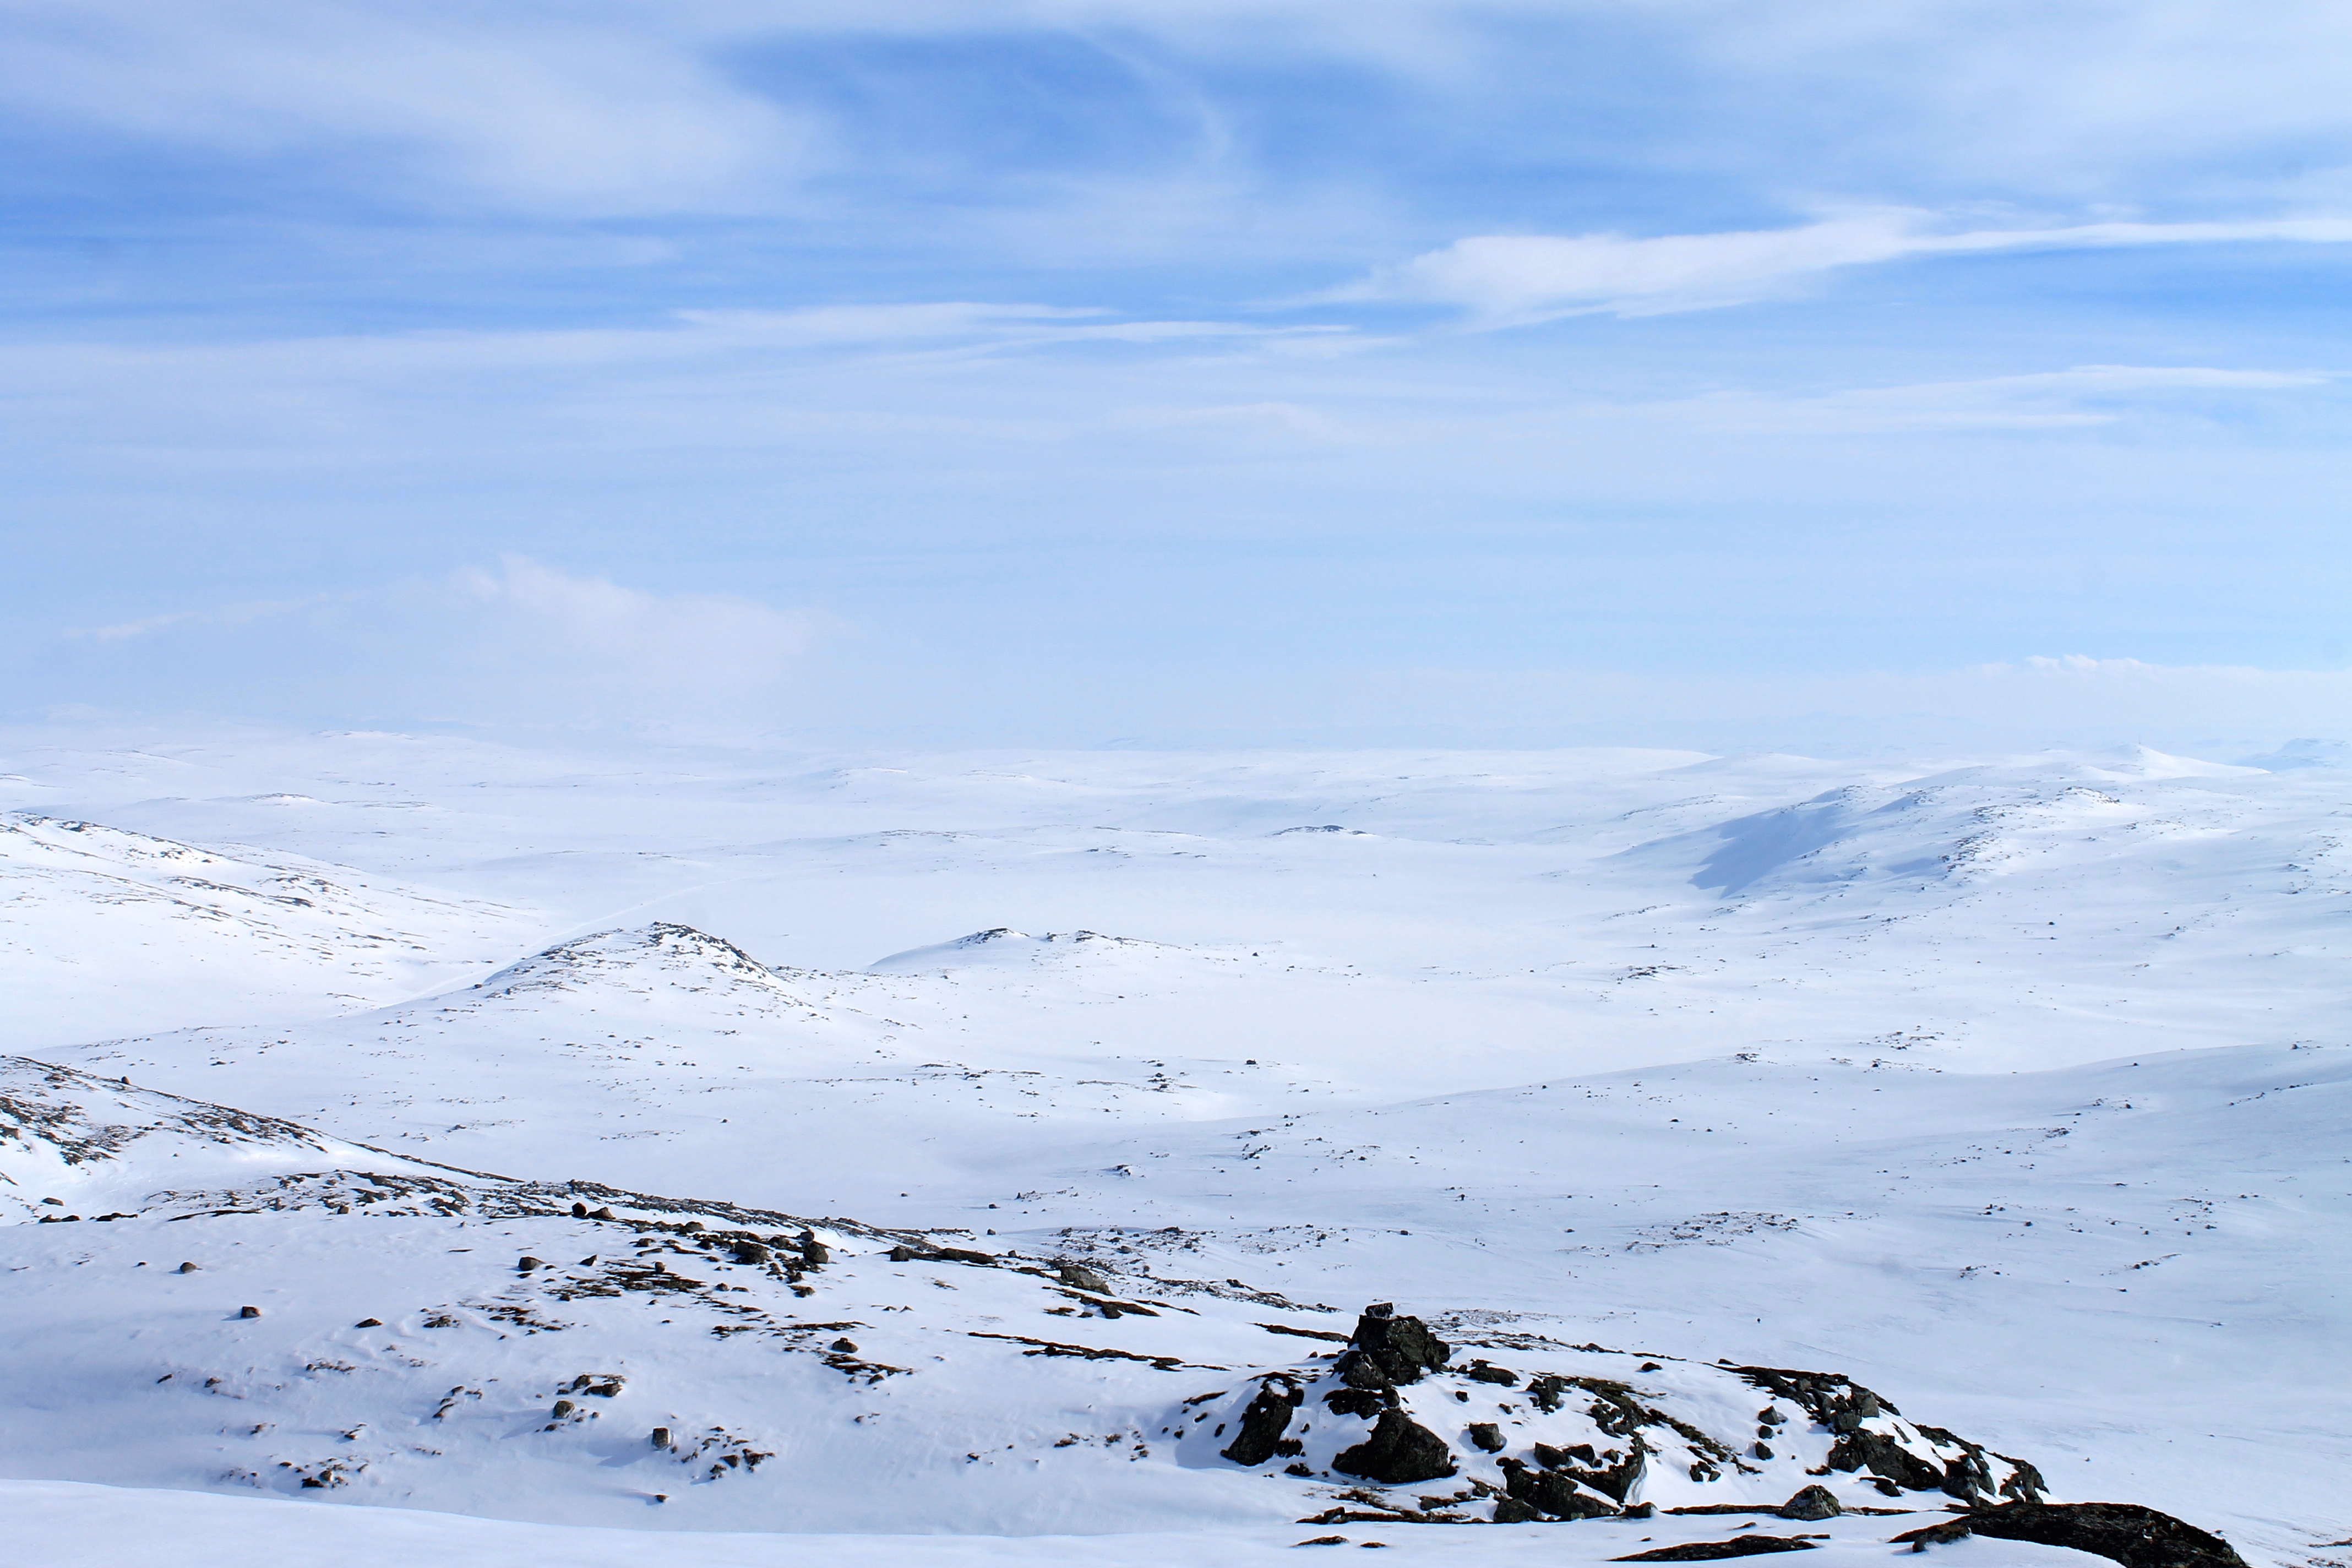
<point>1872,1437</point>
<point>1398,1451</point>
<point>2124,1532</point>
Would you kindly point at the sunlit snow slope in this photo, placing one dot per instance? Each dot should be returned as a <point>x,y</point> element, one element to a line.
<point>2010,1089</point>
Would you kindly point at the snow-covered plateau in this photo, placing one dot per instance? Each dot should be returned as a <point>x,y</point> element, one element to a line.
<point>412,1148</point>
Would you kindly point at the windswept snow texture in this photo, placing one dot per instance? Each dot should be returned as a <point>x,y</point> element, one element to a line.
<point>2013,1089</point>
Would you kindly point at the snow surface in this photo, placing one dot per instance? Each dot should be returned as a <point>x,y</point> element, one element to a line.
<point>2014,1088</point>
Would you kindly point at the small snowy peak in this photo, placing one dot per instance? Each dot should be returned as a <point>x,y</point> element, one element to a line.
<point>662,953</point>
<point>1004,947</point>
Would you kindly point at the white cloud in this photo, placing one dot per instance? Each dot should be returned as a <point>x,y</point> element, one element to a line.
<point>564,111</point>
<point>2084,395</point>
<point>1510,278</point>
<point>593,638</point>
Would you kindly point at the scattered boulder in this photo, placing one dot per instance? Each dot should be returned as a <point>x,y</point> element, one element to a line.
<point>846,1346</point>
<point>563,1408</point>
<point>813,1253</point>
<point>189,1267</point>
<point>1480,1372</point>
<point>1811,1502</point>
<point>1509,1510</point>
<point>602,1214</point>
<point>661,1438</point>
<point>1761,1449</point>
<point>579,1211</point>
<point>1487,1437</point>
<point>1264,1422</point>
<point>248,1311</point>
<point>751,1252</point>
<point>1398,1451</point>
<point>1546,1390</point>
<point>369,1323</point>
<point>527,1263</point>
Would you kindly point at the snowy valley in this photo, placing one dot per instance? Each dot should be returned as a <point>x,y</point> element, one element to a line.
<point>711,1157</point>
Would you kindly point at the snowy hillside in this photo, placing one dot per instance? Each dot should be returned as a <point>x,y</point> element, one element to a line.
<point>2010,1090</point>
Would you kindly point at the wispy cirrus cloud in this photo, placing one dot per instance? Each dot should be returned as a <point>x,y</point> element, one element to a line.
<point>1505,280</point>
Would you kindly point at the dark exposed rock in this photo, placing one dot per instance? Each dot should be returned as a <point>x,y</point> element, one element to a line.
<point>1942,1534</point>
<point>1264,1421</point>
<point>1883,1456</point>
<point>602,1214</point>
<point>248,1311</point>
<point>661,1438</point>
<point>1554,1492</point>
<point>579,1211</point>
<point>1359,1370</point>
<point>1761,1449</point>
<point>1811,1502</point>
<point>190,1268</point>
<point>1078,1277</point>
<point>527,1263</point>
<point>1707,1550</point>
<point>1486,1437</point>
<point>1480,1372</point>
<point>2125,1532</point>
<point>1614,1476</point>
<point>1401,1348</point>
<point>1509,1510</point>
<point>751,1252</point>
<point>1398,1451</point>
<point>1364,1402</point>
<point>846,1346</point>
<point>369,1323</point>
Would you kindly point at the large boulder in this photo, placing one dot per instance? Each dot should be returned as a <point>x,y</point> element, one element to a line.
<point>1811,1502</point>
<point>1400,1348</point>
<point>1264,1422</point>
<point>1398,1451</point>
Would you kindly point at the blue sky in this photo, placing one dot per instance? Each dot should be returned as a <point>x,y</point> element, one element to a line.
<point>1674,373</point>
